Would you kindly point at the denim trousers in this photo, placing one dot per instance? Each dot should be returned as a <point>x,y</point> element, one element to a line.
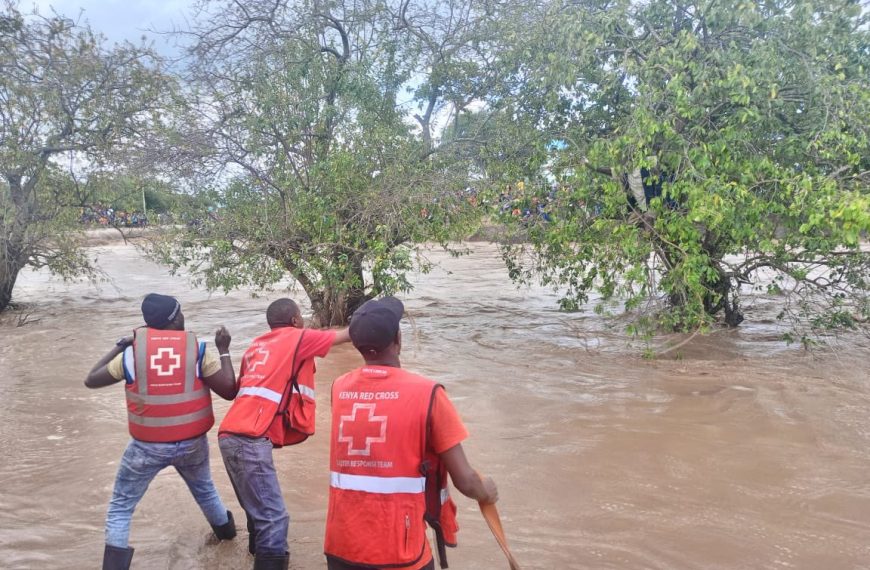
<point>141,462</point>
<point>252,473</point>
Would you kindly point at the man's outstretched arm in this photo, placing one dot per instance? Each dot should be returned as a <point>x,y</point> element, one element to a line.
<point>341,336</point>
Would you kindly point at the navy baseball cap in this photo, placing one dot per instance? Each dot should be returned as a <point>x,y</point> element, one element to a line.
<point>375,324</point>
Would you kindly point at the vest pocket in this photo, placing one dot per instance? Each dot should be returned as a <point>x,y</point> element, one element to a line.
<point>260,425</point>
<point>407,531</point>
<point>410,536</point>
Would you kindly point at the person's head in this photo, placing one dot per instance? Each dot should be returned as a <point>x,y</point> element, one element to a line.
<point>162,312</point>
<point>374,329</point>
<point>284,313</point>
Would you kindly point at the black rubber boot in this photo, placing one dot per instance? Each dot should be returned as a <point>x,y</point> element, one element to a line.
<point>272,561</point>
<point>227,530</point>
<point>252,536</point>
<point>116,558</point>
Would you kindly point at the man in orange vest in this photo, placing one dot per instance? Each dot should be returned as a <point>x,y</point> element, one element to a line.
<point>395,436</point>
<point>274,407</point>
<point>168,377</point>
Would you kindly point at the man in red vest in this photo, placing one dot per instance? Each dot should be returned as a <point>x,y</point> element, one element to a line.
<point>168,377</point>
<point>395,436</point>
<point>274,407</point>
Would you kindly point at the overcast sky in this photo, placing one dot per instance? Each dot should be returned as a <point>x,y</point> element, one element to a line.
<point>120,20</point>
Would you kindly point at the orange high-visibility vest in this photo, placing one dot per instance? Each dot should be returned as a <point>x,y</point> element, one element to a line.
<point>378,470</point>
<point>268,404</point>
<point>166,400</point>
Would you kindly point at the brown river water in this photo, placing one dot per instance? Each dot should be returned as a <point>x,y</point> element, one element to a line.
<point>735,451</point>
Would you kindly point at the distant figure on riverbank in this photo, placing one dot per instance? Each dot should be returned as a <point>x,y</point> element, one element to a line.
<point>168,376</point>
<point>274,407</point>
<point>395,437</point>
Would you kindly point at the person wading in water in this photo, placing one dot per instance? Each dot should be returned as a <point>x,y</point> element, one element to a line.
<point>395,436</point>
<point>274,407</point>
<point>168,377</point>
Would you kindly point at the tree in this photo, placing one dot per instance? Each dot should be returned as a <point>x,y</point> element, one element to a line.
<point>307,150</point>
<point>67,107</point>
<point>746,125</point>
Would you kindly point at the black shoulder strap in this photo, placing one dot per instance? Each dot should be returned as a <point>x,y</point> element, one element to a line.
<point>429,418</point>
<point>293,383</point>
<point>433,487</point>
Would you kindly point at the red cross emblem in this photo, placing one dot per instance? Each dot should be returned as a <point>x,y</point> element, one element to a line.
<point>361,432</point>
<point>165,362</point>
<point>258,357</point>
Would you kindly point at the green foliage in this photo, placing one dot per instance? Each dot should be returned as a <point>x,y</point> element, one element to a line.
<point>67,108</point>
<point>671,156</point>
<point>322,176</point>
<point>754,114</point>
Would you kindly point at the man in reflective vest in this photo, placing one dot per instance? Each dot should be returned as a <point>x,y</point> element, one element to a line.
<point>258,421</point>
<point>394,434</point>
<point>168,377</point>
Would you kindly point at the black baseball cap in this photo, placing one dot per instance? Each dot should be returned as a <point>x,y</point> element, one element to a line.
<point>375,324</point>
<point>159,310</point>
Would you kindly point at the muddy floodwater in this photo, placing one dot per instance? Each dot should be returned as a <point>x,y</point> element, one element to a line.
<point>733,452</point>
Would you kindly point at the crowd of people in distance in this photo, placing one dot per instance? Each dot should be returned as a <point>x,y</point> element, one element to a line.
<point>101,215</point>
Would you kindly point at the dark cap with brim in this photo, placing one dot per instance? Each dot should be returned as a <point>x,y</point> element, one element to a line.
<point>159,310</point>
<point>374,326</point>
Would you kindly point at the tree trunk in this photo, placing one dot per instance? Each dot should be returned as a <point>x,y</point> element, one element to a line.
<point>8,276</point>
<point>725,298</point>
<point>333,303</point>
<point>14,235</point>
<point>334,307</point>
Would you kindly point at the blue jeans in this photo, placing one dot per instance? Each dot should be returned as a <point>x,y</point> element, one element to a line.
<point>252,472</point>
<point>141,463</point>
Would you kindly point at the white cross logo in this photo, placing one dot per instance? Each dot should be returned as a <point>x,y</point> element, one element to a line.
<point>165,362</point>
<point>360,429</point>
<point>262,355</point>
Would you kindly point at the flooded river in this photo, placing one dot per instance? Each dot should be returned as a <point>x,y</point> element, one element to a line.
<point>740,453</point>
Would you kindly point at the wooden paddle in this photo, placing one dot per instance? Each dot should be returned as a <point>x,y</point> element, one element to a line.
<point>490,515</point>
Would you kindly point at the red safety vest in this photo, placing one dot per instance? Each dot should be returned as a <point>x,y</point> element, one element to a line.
<point>269,404</point>
<point>167,400</point>
<point>381,477</point>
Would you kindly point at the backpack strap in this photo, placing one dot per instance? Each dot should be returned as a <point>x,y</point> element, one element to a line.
<point>433,488</point>
<point>293,383</point>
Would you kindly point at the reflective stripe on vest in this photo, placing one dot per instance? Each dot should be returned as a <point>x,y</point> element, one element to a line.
<point>167,399</point>
<point>381,485</point>
<point>306,391</point>
<point>171,420</point>
<point>260,391</point>
<point>272,395</point>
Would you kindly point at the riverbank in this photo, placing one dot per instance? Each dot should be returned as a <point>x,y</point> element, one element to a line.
<point>97,237</point>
